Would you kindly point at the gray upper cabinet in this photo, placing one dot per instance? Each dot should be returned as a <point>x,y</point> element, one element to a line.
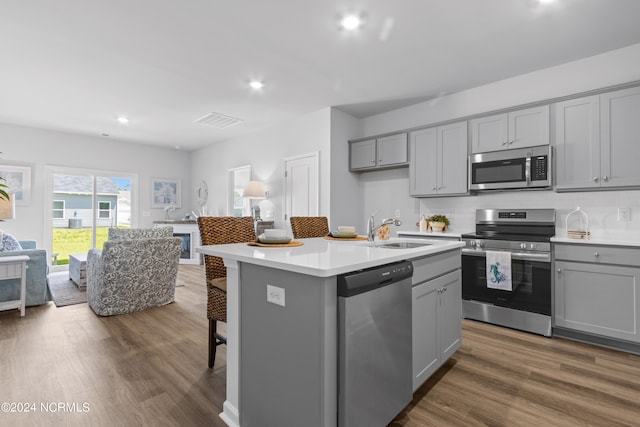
<point>363,154</point>
<point>438,165</point>
<point>516,129</point>
<point>594,138</point>
<point>577,143</point>
<point>379,153</point>
<point>597,290</point>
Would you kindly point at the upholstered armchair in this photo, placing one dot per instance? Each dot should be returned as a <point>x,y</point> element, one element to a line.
<point>136,269</point>
<point>37,283</point>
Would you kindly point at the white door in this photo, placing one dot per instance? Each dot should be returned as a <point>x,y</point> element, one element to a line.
<point>301,182</point>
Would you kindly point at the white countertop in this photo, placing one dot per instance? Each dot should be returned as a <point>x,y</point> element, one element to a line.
<point>631,240</point>
<point>324,258</point>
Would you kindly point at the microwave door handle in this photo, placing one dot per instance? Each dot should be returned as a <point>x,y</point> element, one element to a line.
<point>527,170</point>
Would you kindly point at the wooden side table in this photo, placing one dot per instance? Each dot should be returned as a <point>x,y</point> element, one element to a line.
<point>15,267</point>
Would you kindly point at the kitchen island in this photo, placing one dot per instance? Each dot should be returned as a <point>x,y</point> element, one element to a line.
<point>282,323</point>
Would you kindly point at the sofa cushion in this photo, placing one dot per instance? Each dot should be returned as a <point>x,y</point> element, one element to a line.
<point>8,242</point>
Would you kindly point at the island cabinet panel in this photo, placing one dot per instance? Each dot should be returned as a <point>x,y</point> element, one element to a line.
<point>594,137</point>
<point>438,161</point>
<point>516,129</point>
<point>287,352</point>
<point>595,293</point>
<point>436,313</point>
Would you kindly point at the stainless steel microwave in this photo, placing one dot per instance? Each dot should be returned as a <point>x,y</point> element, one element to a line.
<point>510,169</point>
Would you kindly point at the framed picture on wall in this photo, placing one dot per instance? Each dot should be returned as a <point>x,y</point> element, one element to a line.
<point>18,179</point>
<point>165,192</point>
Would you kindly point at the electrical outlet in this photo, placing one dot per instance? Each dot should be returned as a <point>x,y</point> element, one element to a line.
<point>624,214</point>
<point>275,295</point>
<point>397,213</point>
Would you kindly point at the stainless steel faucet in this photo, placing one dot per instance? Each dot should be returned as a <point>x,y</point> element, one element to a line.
<point>372,228</point>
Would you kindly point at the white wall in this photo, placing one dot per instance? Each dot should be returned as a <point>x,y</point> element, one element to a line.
<point>39,148</point>
<point>346,196</point>
<point>387,191</point>
<point>600,71</point>
<point>265,151</point>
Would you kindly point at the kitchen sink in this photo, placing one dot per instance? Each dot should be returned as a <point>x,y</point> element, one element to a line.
<point>403,245</point>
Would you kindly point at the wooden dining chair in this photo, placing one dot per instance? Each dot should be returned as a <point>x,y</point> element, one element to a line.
<point>309,226</point>
<point>219,230</point>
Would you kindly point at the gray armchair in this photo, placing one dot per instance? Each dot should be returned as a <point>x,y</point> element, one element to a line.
<point>131,274</point>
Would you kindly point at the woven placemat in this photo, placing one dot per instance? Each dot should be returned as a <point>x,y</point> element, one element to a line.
<point>345,238</point>
<point>291,244</point>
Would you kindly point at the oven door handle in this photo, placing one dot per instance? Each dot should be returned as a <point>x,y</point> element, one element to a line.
<point>525,256</point>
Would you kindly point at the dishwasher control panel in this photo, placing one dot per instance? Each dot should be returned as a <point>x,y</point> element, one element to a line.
<point>360,281</point>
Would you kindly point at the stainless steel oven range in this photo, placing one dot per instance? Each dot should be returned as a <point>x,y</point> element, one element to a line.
<point>523,236</point>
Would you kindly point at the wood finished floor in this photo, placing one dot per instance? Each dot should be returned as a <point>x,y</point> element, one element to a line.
<point>150,369</point>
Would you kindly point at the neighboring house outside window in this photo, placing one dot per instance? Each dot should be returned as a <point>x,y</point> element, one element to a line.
<point>104,210</point>
<point>58,209</point>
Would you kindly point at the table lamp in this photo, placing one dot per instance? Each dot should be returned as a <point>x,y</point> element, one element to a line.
<point>254,190</point>
<point>7,208</point>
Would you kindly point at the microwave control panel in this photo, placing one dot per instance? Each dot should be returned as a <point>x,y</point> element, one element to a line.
<point>539,168</point>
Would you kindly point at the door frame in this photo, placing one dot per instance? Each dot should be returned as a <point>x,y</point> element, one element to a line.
<point>51,170</point>
<point>315,155</point>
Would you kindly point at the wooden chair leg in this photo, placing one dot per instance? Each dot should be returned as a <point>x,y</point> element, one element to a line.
<point>212,342</point>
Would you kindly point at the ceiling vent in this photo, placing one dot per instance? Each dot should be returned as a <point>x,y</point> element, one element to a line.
<point>218,121</point>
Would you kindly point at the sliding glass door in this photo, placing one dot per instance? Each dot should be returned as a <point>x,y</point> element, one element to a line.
<point>83,205</point>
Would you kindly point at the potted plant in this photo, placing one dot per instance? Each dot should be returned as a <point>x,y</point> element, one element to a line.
<point>438,222</point>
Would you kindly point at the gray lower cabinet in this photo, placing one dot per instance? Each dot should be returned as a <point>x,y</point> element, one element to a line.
<point>437,313</point>
<point>597,290</point>
<point>593,138</point>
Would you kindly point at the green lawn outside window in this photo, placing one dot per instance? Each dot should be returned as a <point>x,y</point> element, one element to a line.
<point>68,241</point>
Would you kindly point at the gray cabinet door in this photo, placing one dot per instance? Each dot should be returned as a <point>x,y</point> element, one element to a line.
<point>423,166</point>
<point>438,163</point>
<point>426,354</point>
<point>437,324</point>
<point>363,154</point>
<point>577,143</point>
<point>529,127</point>
<point>452,170</point>
<point>392,150</point>
<point>450,317</point>
<point>489,133</point>
<point>517,129</point>
<point>620,133</point>
<point>598,299</point>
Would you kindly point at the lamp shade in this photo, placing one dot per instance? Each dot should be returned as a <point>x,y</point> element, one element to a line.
<point>7,208</point>
<point>254,190</point>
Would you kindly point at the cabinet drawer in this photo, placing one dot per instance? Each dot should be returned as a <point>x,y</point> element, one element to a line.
<point>598,254</point>
<point>433,266</point>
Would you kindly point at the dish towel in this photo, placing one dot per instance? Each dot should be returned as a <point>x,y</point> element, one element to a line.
<point>499,270</point>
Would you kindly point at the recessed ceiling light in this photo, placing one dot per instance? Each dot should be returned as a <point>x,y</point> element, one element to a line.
<point>123,120</point>
<point>351,22</point>
<point>256,84</point>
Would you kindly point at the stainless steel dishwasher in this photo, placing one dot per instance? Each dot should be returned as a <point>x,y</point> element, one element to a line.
<point>374,345</point>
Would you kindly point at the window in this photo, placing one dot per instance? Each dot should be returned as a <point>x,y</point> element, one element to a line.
<point>104,210</point>
<point>58,209</point>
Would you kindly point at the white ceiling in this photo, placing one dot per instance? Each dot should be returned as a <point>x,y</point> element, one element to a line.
<point>75,65</point>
